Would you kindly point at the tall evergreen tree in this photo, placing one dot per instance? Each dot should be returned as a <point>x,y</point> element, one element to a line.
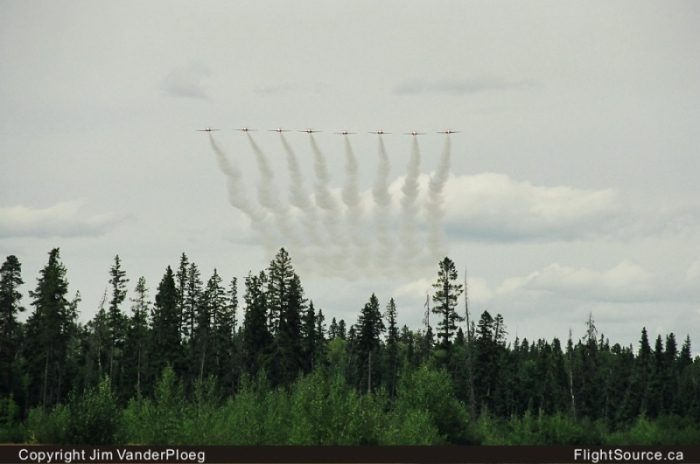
<point>392,342</point>
<point>257,340</point>
<point>10,307</point>
<point>166,348</point>
<point>286,303</point>
<point>116,319</point>
<point>445,297</point>
<point>370,327</point>
<point>137,337</point>
<point>49,329</point>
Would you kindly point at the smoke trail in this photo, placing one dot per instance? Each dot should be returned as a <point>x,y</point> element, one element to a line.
<point>339,252</point>
<point>238,198</point>
<point>297,195</point>
<point>268,195</point>
<point>382,212</point>
<point>434,207</point>
<point>408,205</point>
<point>352,200</point>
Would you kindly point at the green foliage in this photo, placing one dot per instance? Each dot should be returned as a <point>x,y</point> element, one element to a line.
<point>94,418</point>
<point>11,430</point>
<point>431,391</point>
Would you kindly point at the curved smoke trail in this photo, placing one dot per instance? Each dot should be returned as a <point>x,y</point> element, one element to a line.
<point>352,200</point>
<point>297,195</point>
<point>331,218</point>
<point>434,210</point>
<point>239,200</point>
<point>410,191</point>
<point>382,212</point>
<point>269,198</point>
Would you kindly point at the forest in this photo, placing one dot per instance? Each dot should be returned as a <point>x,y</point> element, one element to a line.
<point>198,365</point>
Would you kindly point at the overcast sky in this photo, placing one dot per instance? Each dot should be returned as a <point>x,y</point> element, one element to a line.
<point>571,188</point>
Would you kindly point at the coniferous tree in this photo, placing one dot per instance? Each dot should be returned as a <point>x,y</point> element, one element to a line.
<point>392,348</point>
<point>445,299</point>
<point>257,340</point>
<point>137,337</point>
<point>309,338</point>
<point>333,329</point>
<point>116,319</point>
<point>166,348</point>
<point>342,332</point>
<point>370,327</point>
<point>49,329</point>
<point>10,307</point>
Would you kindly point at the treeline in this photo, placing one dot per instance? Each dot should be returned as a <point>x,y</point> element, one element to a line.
<point>184,369</point>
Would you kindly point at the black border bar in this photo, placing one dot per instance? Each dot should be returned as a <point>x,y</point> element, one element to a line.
<point>352,454</point>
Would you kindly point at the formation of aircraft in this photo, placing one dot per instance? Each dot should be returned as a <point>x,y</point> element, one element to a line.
<point>311,131</point>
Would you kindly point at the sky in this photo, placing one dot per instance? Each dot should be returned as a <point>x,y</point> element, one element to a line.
<point>570,189</point>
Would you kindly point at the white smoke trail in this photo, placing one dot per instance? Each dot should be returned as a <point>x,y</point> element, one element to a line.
<point>239,200</point>
<point>434,204</point>
<point>269,197</point>
<point>297,195</point>
<point>352,200</point>
<point>382,211</point>
<point>338,253</point>
<point>409,208</point>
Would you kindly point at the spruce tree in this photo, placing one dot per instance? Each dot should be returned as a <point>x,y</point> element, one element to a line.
<point>370,327</point>
<point>10,307</point>
<point>116,319</point>
<point>392,341</point>
<point>257,339</point>
<point>137,337</point>
<point>49,330</point>
<point>166,348</point>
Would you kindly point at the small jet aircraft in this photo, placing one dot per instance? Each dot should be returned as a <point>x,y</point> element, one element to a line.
<point>379,132</point>
<point>414,133</point>
<point>208,129</point>
<point>279,129</point>
<point>448,131</point>
<point>309,131</point>
<point>344,132</point>
<point>245,129</point>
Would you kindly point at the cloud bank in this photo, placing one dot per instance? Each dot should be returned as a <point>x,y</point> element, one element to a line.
<point>60,220</point>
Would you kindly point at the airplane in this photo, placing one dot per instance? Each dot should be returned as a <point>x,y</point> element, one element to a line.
<point>379,132</point>
<point>245,129</point>
<point>309,131</point>
<point>279,129</point>
<point>208,129</point>
<point>344,132</point>
<point>414,133</point>
<point>448,131</point>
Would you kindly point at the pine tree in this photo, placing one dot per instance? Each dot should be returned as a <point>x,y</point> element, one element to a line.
<point>333,329</point>
<point>446,299</point>
<point>309,338</point>
<point>212,311</point>
<point>10,280</point>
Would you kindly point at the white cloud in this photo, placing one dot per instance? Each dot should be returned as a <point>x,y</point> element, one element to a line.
<point>60,220</point>
<point>625,282</point>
